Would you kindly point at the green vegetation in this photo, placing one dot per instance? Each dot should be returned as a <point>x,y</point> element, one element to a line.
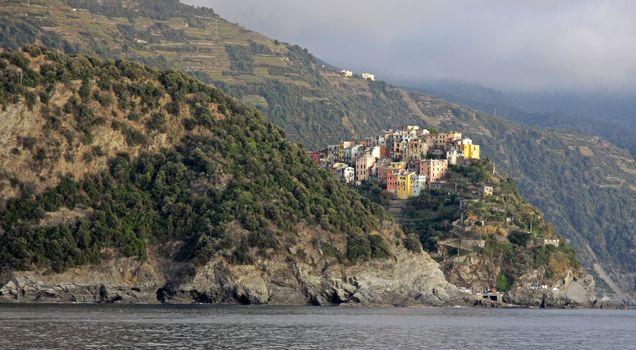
<point>500,221</point>
<point>519,238</point>
<point>225,171</point>
<point>160,10</point>
<point>504,282</point>
<point>588,195</point>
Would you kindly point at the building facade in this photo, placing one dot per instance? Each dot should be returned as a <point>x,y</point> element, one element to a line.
<point>418,184</point>
<point>405,184</point>
<point>364,165</point>
<point>434,169</point>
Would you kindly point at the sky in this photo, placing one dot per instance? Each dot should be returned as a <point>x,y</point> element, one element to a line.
<point>520,46</point>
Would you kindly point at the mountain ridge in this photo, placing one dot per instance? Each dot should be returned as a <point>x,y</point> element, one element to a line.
<point>313,104</point>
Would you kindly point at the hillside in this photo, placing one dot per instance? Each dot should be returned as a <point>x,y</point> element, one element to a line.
<point>498,103</point>
<point>584,184</point>
<point>486,240</point>
<point>120,182</point>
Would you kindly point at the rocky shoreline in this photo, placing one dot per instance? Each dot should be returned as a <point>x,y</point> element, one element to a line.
<point>406,280</point>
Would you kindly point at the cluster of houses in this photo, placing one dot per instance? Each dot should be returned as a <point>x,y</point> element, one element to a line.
<point>404,161</point>
<point>345,73</point>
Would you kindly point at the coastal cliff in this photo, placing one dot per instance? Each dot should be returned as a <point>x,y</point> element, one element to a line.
<point>125,184</point>
<point>121,183</point>
<point>406,279</point>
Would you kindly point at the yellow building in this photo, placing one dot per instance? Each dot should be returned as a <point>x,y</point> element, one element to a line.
<point>405,184</point>
<point>470,151</point>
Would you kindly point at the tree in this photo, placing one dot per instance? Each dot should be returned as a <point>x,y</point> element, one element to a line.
<point>519,238</point>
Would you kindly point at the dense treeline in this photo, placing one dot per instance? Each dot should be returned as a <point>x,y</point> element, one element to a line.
<point>16,32</point>
<point>235,169</point>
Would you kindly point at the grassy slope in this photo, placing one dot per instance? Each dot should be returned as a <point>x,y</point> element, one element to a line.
<point>585,185</point>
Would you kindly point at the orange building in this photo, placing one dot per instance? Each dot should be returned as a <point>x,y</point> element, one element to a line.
<point>443,139</point>
<point>391,182</point>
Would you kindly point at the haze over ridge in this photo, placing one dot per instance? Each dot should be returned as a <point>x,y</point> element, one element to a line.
<point>538,46</point>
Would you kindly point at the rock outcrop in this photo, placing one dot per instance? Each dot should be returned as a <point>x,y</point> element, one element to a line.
<point>406,279</point>
<point>575,289</point>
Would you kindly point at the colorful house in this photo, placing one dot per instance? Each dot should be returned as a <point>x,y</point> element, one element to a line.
<point>315,156</point>
<point>391,182</point>
<point>434,169</point>
<point>444,139</point>
<point>469,150</point>
<point>385,168</point>
<point>405,184</point>
<point>416,149</point>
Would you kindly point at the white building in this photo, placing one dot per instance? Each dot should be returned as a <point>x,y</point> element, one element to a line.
<point>346,144</point>
<point>368,76</point>
<point>348,175</point>
<point>555,242</point>
<point>452,156</point>
<point>375,152</point>
<point>418,184</point>
<point>346,73</point>
<point>356,152</point>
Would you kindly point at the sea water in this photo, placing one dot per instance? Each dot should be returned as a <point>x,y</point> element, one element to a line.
<point>281,327</point>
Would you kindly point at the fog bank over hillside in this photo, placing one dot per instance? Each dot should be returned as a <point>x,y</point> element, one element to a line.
<point>570,45</point>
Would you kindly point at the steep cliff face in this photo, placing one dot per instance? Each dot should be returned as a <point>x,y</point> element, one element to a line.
<point>405,279</point>
<point>575,288</point>
<point>122,183</point>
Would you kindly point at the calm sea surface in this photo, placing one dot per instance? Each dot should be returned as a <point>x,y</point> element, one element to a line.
<point>278,327</point>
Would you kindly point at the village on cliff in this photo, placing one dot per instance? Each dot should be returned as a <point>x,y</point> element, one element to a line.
<point>404,161</point>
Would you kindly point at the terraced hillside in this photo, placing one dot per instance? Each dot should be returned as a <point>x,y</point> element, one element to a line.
<point>485,240</point>
<point>585,185</point>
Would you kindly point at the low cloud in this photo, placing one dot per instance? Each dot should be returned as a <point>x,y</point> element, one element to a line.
<point>530,46</point>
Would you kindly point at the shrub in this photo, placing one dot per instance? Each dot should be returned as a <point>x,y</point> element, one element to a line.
<point>519,238</point>
<point>27,142</point>
<point>379,248</point>
<point>157,122</point>
<point>412,243</point>
<point>504,282</point>
<point>358,248</point>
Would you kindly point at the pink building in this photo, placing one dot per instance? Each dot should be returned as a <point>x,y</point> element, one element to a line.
<point>434,169</point>
<point>391,182</point>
